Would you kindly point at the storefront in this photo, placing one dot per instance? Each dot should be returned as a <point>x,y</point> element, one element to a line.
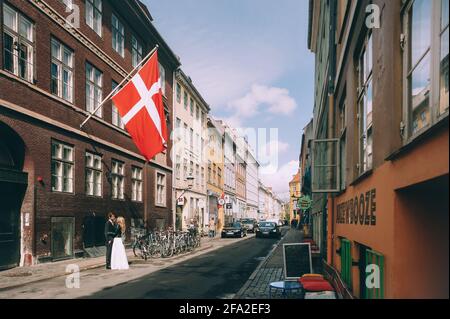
<point>394,223</point>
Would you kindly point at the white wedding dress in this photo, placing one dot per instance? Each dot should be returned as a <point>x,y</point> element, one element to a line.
<point>119,260</point>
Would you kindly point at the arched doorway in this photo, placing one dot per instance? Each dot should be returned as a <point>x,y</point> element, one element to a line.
<point>13,184</point>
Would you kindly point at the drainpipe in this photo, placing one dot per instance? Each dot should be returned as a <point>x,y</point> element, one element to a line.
<point>331,133</point>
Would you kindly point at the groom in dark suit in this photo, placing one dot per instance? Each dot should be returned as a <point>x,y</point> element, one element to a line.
<point>110,233</point>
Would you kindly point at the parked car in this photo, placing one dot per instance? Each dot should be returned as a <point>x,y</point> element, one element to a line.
<point>250,223</point>
<point>236,229</point>
<point>268,229</point>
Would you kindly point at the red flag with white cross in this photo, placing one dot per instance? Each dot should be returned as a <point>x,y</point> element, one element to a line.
<point>141,108</point>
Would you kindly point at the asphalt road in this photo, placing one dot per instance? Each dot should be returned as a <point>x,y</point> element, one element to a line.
<point>219,274</point>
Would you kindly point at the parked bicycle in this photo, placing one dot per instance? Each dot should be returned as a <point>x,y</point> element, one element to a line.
<point>163,244</point>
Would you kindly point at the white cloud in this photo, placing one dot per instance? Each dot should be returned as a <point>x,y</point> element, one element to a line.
<point>260,99</point>
<point>279,180</point>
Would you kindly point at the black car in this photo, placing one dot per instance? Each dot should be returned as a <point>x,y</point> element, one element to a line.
<point>268,229</point>
<point>236,229</point>
<point>250,223</point>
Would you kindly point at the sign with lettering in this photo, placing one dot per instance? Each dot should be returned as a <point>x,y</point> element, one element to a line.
<point>304,202</point>
<point>360,209</point>
<point>297,260</point>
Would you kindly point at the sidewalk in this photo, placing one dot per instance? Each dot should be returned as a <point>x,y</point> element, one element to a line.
<point>21,276</point>
<point>270,270</point>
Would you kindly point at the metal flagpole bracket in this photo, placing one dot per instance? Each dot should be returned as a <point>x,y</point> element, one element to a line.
<point>120,84</point>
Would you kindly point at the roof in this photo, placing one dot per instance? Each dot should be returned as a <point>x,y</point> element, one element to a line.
<point>295,178</point>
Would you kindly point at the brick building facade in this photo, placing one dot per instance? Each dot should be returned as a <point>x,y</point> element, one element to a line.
<point>66,179</point>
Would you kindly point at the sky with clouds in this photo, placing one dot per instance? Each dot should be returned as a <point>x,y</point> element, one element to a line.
<point>249,60</point>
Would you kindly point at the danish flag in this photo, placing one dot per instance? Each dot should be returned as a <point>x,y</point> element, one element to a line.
<point>141,108</point>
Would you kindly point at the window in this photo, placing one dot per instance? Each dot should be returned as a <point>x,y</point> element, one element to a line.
<point>136,184</point>
<point>94,83</point>
<point>94,15</point>
<point>116,119</point>
<point>185,168</point>
<point>118,180</point>
<point>62,167</point>
<point>197,112</point>
<point>162,76</point>
<point>342,145</point>
<point>160,189</point>
<point>203,176</point>
<point>68,3</point>
<point>209,172</point>
<point>62,71</point>
<point>136,51</point>
<point>118,36</point>
<point>443,68</point>
<point>325,166</point>
<point>178,167</point>
<point>365,101</point>
<point>93,175</point>
<point>214,176</point>
<point>426,41</point>
<point>186,99</point>
<point>197,174</point>
<point>219,176</point>
<point>191,139</point>
<point>192,107</point>
<point>18,44</point>
<point>178,92</point>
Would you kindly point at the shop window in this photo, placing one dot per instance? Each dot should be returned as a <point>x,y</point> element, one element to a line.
<point>62,230</point>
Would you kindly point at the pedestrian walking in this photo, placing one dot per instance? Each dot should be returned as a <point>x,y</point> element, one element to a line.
<point>212,228</point>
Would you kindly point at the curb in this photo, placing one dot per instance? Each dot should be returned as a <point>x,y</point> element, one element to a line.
<point>254,273</point>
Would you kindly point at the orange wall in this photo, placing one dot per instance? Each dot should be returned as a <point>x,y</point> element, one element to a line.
<point>399,232</point>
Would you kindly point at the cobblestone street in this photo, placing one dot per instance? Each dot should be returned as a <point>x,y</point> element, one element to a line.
<point>270,270</point>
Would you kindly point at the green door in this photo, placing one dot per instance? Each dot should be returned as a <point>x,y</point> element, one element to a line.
<point>12,189</point>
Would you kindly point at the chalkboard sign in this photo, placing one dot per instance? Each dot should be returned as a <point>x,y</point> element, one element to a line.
<point>297,260</point>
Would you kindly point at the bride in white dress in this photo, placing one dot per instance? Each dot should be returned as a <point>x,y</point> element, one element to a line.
<point>119,260</point>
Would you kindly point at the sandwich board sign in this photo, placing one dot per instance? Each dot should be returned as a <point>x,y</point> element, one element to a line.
<point>297,260</point>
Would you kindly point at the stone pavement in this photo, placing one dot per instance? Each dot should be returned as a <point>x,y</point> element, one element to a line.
<point>22,276</point>
<point>270,270</point>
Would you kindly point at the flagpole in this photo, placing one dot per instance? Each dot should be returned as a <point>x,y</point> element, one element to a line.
<point>119,85</point>
<point>146,196</point>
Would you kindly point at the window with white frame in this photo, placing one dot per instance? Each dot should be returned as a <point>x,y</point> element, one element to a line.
<point>118,35</point>
<point>68,3</point>
<point>116,119</point>
<point>117,180</point>
<point>94,92</point>
<point>185,168</point>
<point>186,100</point>
<point>162,76</point>
<point>178,92</point>
<point>94,15</point>
<point>136,184</point>
<point>191,140</point>
<point>136,51</point>
<point>160,189</point>
<point>62,167</point>
<point>18,44</point>
<point>426,33</point>
<point>365,102</point>
<point>203,176</point>
<point>197,175</point>
<point>178,167</point>
<point>62,71</point>
<point>192,107</point>
<point>94,175</point>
